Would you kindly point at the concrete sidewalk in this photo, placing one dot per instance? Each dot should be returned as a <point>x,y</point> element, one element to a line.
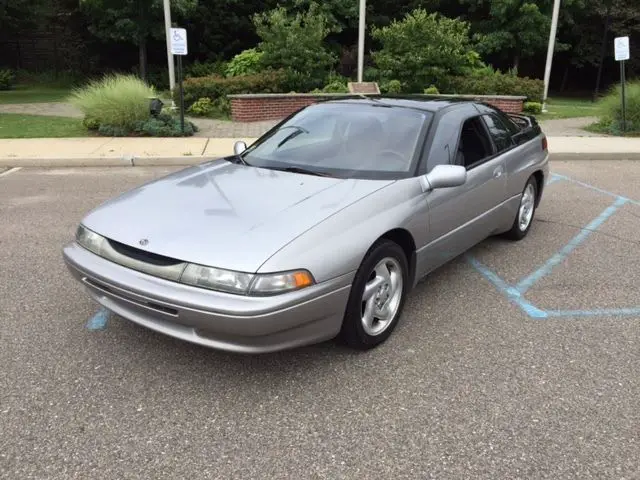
<point>73,152</point>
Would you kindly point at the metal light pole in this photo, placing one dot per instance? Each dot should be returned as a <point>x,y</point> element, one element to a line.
<point>363,8</point>
<point>167,27</point>
<point>552,44</point>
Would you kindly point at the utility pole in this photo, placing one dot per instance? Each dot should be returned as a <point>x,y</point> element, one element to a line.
<point>552,44</point>
<point>167,27</point>
<point>363,9</point>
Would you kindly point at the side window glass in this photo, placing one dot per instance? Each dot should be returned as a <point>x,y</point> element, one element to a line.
<point>499,132</point>
<point>442,151</point>
<point>474,146</point>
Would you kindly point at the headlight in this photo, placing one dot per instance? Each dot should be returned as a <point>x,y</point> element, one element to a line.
<point>209,277</point>
<point>90,240</point>
<point>216,279</point>
<point>245,283</point>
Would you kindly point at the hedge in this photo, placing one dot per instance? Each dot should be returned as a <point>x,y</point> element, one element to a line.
<point>215,87</point>
<point>494,84</point>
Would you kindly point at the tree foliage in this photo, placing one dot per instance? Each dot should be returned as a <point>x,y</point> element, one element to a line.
<point>295,42</point>
<point>132,21</point>
<point>423,48</point>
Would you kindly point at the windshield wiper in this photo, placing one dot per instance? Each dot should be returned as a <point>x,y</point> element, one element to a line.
<point>299,170</point>
<point>298,131</point>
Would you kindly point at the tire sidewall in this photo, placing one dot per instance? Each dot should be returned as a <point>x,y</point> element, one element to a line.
<point>352,330</point>
<point>531,181</point>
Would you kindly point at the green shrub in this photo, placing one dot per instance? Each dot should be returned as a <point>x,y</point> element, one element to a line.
<point>296,43</point>
<point>423,48</point>
<point>246,62</point>
<point>205,69</point>
<point>214,87</point>
<point>90,123</point>
<point>115,100</point>
<point>610,107</point>
<point>7,77</point>
<point>393,87</point>
<point>336,84</point>
<point>432,90</point>
<point>202,107</point>
<point>163,125</point>
<point>488,82</point>
<point>533,107</point>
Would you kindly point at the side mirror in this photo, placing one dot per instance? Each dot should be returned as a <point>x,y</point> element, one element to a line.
<point>239,147</point>
<point>444,176</point>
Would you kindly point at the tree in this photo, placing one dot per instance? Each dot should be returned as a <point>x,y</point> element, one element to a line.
<point>423,48</point>
<point>132,21</point>
<point>296,43</point>
<point>512,29</point>
<point>18,15</point>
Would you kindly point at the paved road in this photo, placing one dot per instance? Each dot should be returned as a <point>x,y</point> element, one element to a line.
<point>471,385</point>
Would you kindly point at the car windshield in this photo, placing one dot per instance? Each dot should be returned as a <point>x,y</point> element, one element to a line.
<point>345,140</point>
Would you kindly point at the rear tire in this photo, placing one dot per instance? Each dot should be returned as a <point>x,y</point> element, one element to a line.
<point>377,297</point>
<point>526,211</point>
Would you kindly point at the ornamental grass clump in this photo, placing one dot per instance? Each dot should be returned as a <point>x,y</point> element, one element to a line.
<point>115,100</point>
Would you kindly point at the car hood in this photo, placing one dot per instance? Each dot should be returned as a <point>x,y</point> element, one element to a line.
<point>224,214</point>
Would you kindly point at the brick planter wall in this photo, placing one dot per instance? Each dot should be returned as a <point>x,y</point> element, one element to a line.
<point>276,106</point>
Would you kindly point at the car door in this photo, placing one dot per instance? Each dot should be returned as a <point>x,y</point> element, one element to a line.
<point>463,216</point>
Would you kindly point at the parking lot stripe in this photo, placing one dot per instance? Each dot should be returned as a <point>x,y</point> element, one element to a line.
<point>99,320</point>
<point>526,283</point>
<point>10,171</point>
<point>586,185</point>
<point>510,292</point>
<point>612,312</point>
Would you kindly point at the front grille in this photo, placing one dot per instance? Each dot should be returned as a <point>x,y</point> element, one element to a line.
<point>142,256</point>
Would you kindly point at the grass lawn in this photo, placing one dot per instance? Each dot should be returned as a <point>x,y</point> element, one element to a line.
<point>558,108</point>
<point>33,94</point>
<point>37,126</point>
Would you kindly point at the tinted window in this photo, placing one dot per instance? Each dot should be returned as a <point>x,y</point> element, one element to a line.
<point>347,140</point>
<point>444,141</point>
<point>474,146</point>
<point>499,132</point>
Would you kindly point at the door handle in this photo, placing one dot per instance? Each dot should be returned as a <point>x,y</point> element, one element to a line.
<point>497,173</point>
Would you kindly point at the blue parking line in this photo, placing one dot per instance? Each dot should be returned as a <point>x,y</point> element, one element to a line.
<point>511,293</point>
<point>526,283</point>
<point>554,178</point>
<point>586,185</point>
<point>612,312</point>
<point>99,320</point>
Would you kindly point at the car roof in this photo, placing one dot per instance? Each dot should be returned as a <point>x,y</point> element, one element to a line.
<point>426,103</point>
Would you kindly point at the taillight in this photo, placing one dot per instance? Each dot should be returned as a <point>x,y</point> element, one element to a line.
<point>545,144</point>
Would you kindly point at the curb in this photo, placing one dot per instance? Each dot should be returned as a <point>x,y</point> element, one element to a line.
<point>182,161</point>
<point>105,162</point>
<point>591,156</point>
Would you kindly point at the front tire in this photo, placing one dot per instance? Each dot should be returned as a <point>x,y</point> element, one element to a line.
<point>377,297</point>
<point>526,211</point>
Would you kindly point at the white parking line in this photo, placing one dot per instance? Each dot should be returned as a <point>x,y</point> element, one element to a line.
<point>11,170</point>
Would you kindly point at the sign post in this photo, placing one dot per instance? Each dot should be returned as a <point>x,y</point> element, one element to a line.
<point>179,48</point>
<point>622,53</point>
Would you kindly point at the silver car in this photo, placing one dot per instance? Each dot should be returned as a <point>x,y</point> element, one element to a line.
<point>319,229</point>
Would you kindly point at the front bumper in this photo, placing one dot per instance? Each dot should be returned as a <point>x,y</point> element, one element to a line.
<point>213,319</point>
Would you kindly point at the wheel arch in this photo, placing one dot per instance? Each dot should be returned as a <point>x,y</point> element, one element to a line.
<point>405,240</point>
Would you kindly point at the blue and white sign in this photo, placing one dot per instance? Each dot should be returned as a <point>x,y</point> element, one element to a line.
<point>178,41</point>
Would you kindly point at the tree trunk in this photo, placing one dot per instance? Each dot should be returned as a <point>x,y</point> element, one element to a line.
<point>565,78</point>
<point>142,51</point>
<point>142,41</point>
<point>516,63</point>
<point>603,52</point>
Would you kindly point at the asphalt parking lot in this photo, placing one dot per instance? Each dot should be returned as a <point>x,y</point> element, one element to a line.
<point>515,361</point>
